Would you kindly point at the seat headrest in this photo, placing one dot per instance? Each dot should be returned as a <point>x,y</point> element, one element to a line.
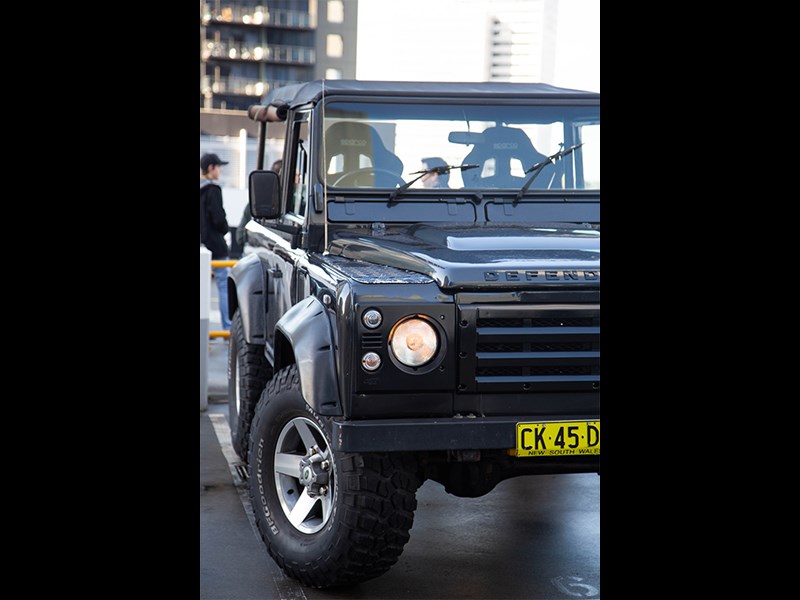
<point>501,145</point>
<point>359,146</point>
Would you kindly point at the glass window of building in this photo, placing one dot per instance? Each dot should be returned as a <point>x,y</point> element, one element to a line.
<point>335,11</point>
<point>333,73</point>
<point>335,45</point>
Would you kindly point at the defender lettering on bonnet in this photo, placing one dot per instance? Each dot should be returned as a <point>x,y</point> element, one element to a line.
<point>541,275</point>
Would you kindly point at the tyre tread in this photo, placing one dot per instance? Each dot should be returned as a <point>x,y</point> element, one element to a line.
<point>255,375</point>
<point>379,499</point>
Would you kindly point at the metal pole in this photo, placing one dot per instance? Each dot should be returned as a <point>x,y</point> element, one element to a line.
<point>242,158</point>
<point>205,309</point>
<point>262,141</point>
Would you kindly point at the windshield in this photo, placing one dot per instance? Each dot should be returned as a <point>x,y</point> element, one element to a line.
<point>461,146</point>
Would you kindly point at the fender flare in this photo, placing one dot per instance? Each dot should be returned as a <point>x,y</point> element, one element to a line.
<point>247,291</point>
<point>306,330</point>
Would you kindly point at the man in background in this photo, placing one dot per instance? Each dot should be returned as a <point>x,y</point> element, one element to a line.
<point>214,226</point>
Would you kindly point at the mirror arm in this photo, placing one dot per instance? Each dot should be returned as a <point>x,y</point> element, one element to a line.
<point>285,228</point>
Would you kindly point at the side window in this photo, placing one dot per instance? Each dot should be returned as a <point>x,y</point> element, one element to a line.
<point>298,175</point>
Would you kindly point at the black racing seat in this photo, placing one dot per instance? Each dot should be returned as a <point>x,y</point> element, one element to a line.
<point>356,157</point>
<point>494,150</point>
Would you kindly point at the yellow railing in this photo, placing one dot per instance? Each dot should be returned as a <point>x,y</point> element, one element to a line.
<point>221,263</point>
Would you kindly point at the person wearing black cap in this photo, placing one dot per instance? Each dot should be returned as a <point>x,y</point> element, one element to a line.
<point>214,226</point>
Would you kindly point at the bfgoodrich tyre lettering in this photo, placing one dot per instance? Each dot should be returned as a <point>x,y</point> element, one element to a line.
<point>327,518</point>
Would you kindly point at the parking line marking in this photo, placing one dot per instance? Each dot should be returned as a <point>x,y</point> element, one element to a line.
<point>288,589</point>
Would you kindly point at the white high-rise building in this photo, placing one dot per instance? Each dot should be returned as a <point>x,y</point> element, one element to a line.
<point>457,40</point>
<point>522,39</point>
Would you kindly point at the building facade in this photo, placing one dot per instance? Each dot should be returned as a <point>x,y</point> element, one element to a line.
<point>248,47</point>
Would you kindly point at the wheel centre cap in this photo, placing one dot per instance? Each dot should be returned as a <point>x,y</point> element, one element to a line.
<point>314,473</point>
<point>306,475</point>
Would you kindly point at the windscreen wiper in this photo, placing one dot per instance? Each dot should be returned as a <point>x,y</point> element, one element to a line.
<point>441,170</point>
<point>537,168</point>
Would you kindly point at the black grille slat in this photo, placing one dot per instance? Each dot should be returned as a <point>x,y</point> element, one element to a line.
<point>521,374</point>
<point>550,334</point>
<point>512,378</point>
<point>499,348</point>
<point>372,340</point>
<point>530,347</point>
<point>538,322</point>
<point>537,358</point>
<point>501,322</point>
<point>544,347</point>
<point>563,347</point>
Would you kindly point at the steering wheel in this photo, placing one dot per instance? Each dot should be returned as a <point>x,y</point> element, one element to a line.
<point>356,173</point>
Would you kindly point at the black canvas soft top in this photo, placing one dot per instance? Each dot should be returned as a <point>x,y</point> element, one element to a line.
<point>303,93</point>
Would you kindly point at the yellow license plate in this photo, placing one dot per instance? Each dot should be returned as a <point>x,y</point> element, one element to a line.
<point>558,438</point>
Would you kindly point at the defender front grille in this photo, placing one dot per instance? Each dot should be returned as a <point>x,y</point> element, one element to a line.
<point>528,348</point>
<point>371,341</point>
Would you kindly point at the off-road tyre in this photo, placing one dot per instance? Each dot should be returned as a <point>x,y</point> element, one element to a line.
<point>370,498</point>
<point>248,373</point>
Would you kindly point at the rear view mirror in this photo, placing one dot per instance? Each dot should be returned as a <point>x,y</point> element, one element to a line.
<point>265,195</point>
<point>465,137</point>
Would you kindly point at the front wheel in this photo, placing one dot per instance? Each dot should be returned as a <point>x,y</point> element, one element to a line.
<point>327,518</point>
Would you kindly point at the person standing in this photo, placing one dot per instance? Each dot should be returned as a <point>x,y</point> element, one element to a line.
<point>214,226</point>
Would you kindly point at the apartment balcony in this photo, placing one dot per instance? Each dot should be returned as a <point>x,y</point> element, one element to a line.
<point>239,86</point>
<point>301,55</point>
<point>259,16</point>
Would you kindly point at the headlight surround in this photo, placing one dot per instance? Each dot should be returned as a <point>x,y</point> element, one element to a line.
<point>414,341</point>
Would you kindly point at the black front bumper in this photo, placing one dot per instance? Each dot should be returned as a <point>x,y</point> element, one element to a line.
<point>445,433</point>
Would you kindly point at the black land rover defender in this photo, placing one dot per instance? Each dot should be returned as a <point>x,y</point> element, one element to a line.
<point>420,300</point>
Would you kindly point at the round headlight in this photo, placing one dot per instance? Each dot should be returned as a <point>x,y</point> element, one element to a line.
<point>414,342</point>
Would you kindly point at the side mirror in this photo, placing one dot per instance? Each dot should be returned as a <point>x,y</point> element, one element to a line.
<point>265,195</point>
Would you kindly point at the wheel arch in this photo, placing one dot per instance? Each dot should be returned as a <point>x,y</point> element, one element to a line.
<point>304,336</point>
<point>247,291</point>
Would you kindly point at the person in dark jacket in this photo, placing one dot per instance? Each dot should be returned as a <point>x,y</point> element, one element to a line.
<point>214,226</point>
